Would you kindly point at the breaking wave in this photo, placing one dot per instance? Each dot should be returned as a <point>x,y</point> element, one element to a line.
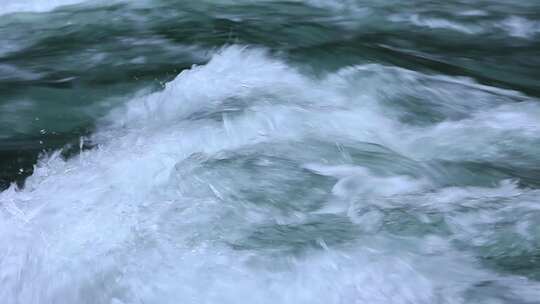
<point>245,180</point>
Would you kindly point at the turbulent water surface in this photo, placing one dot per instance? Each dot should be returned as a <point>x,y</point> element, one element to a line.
<point>238,151</point>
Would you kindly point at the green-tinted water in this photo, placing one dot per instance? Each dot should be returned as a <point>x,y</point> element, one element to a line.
<point>162,151</point>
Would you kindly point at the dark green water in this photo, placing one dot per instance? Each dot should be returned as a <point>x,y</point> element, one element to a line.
<point>220,151</point>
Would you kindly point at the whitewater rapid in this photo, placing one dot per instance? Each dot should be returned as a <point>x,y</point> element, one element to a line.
<point>247,180</point>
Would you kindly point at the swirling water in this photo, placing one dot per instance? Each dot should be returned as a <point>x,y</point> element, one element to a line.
<point>236,151</point>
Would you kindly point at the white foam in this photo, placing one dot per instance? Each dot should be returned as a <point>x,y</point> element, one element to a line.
<point>474,13</point>
<point>435,23</point>
<point>520,27</point>
<point>492,135</point>
<point>14,6</point>
<point>353,180</point>
<point>158,213</point>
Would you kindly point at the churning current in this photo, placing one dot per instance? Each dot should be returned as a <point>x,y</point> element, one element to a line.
<point>237,151</point>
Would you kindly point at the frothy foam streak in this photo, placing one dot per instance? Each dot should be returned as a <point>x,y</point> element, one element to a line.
<point>14,6</point>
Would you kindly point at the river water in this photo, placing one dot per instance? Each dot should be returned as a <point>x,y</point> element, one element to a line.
<point>239,151</point>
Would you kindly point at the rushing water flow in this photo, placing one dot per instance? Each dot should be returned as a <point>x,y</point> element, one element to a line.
<point>314,151</point>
